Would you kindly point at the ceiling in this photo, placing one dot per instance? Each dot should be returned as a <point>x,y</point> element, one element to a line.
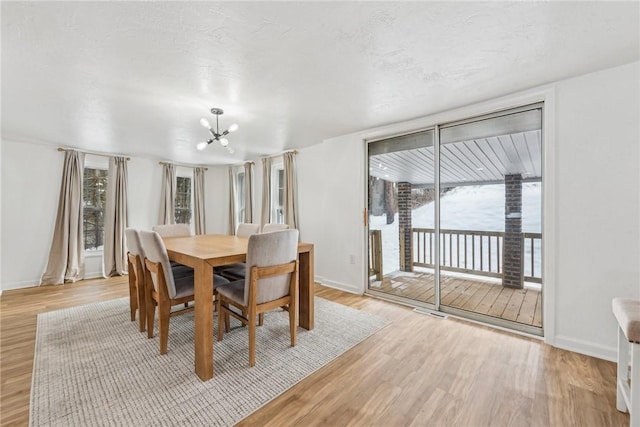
<point>135,77</point>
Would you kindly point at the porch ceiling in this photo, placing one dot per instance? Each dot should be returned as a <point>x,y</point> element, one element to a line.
<point>477,161</point>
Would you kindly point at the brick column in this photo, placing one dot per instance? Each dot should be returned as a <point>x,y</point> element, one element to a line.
<point>404,226</point>
<point>512,269</point>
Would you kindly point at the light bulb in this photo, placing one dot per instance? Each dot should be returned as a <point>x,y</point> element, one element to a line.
<point>224,142</point>
<point>205,123</point>
<point>233,127</point>
<point>201,146</point>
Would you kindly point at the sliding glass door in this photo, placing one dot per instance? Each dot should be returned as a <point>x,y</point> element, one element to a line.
<point>401,195</point>
<point>473,247</point>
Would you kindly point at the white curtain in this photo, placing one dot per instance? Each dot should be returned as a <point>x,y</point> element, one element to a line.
<point>248,192</point>
<point>66,257</point>
<point>290,190</point>
<point>232,202</point>
<point>167,194</point>
<point>114,260</point>
<point>266,192</point>
<point>198,200</point>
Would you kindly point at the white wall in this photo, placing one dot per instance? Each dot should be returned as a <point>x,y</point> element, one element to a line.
<point>592,215</point>
<point>597,193</point>
<point>331,207</point>
<point>217,200</point>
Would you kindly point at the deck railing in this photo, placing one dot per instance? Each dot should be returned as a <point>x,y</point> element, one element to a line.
<point>474,252</point>
<point>375,254</point>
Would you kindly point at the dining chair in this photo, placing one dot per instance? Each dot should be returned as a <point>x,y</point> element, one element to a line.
<point>245,229</point>
<point>175,230</point>
<point>172,230</point>
<point>163,289</point>
<point>135,257</point>
<point>237,271</point>
<point>268,228</point>
<point>272,283</point>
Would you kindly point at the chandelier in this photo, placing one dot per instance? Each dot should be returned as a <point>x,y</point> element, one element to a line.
<point>217,135</point>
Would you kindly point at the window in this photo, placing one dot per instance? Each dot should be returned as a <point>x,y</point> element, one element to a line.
<point>183,200</point>
<point>240,187</point>
<point>94,193</point>
<point>277,193</point>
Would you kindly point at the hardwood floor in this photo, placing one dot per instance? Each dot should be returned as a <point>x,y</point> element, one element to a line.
<point>417,371</point>
<point>475,295</point>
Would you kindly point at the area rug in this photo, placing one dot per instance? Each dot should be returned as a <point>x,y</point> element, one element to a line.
<point>93,367</point>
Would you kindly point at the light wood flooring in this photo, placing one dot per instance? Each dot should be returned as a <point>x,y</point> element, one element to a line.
<point>475,295</point>
<point>418,371</point>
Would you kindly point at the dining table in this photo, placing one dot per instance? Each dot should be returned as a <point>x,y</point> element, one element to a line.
<point>203,253</point>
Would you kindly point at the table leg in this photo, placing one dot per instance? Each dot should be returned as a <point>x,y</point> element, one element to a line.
<point>203,319</point>
<point>306,289</point>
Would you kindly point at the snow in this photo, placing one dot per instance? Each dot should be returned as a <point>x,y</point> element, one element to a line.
<point>466,208</point>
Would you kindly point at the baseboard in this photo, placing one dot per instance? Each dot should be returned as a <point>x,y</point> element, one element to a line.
<point>9,286</point>
<point>24,284</point>
<point>587,348</point>
<point>339,286</point>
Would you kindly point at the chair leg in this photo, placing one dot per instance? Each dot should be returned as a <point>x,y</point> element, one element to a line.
<point>164,311</point>
<point>260,319</point>
<point>227,320</point>
<point>142,308</point>
<point>151,317</point>
<point>293,323</point>
<point>220,317</point>
<point>252,341</point>
<point>133,299</point>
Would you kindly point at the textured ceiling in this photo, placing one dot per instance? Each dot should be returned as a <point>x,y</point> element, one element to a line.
<point>135,77</point>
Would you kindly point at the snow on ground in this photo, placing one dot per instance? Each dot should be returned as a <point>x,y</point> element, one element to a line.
<point>465,208</point>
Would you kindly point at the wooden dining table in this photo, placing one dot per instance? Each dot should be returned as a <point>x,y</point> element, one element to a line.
<point>206,251</point>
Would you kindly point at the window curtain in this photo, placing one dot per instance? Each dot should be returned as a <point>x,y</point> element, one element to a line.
<point>167,194</point>
<point>232,202</point>
<point>290,190</point>
<point>248,192</point>
<point>66,257</point>
<point>198,200</point>
<point>266,192</point>
<point>114,260</point>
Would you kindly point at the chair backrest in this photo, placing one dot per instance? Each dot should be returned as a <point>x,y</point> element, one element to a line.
<point>134,245</point>
<point>246,230</point>
<point>156,252</point>
<point>268,228</point>
<point>172,230</point>
<point>268,249</point>
<point>135,248</point>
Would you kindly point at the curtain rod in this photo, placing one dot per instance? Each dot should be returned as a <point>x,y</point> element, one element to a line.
<point>93,153</point>
<point>182,165</point>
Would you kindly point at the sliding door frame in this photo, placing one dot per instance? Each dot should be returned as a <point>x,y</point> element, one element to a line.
<point>546,96</point>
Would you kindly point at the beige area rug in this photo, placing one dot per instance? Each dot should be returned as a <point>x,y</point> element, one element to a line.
<point>92,367</point>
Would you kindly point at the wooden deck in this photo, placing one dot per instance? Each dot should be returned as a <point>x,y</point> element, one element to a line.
<point>478,296</point>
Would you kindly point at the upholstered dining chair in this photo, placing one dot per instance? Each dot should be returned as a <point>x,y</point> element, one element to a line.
<point>268,228</point>
<point>135,257</point>
<point>245,229</point>
<point>172,230</point>
<point>272,283</point>
<point>237,271</point>
<point>175,230</point>
<point>163,289</point>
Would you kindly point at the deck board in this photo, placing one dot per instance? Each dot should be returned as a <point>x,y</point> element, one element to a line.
<point>477,295</point>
